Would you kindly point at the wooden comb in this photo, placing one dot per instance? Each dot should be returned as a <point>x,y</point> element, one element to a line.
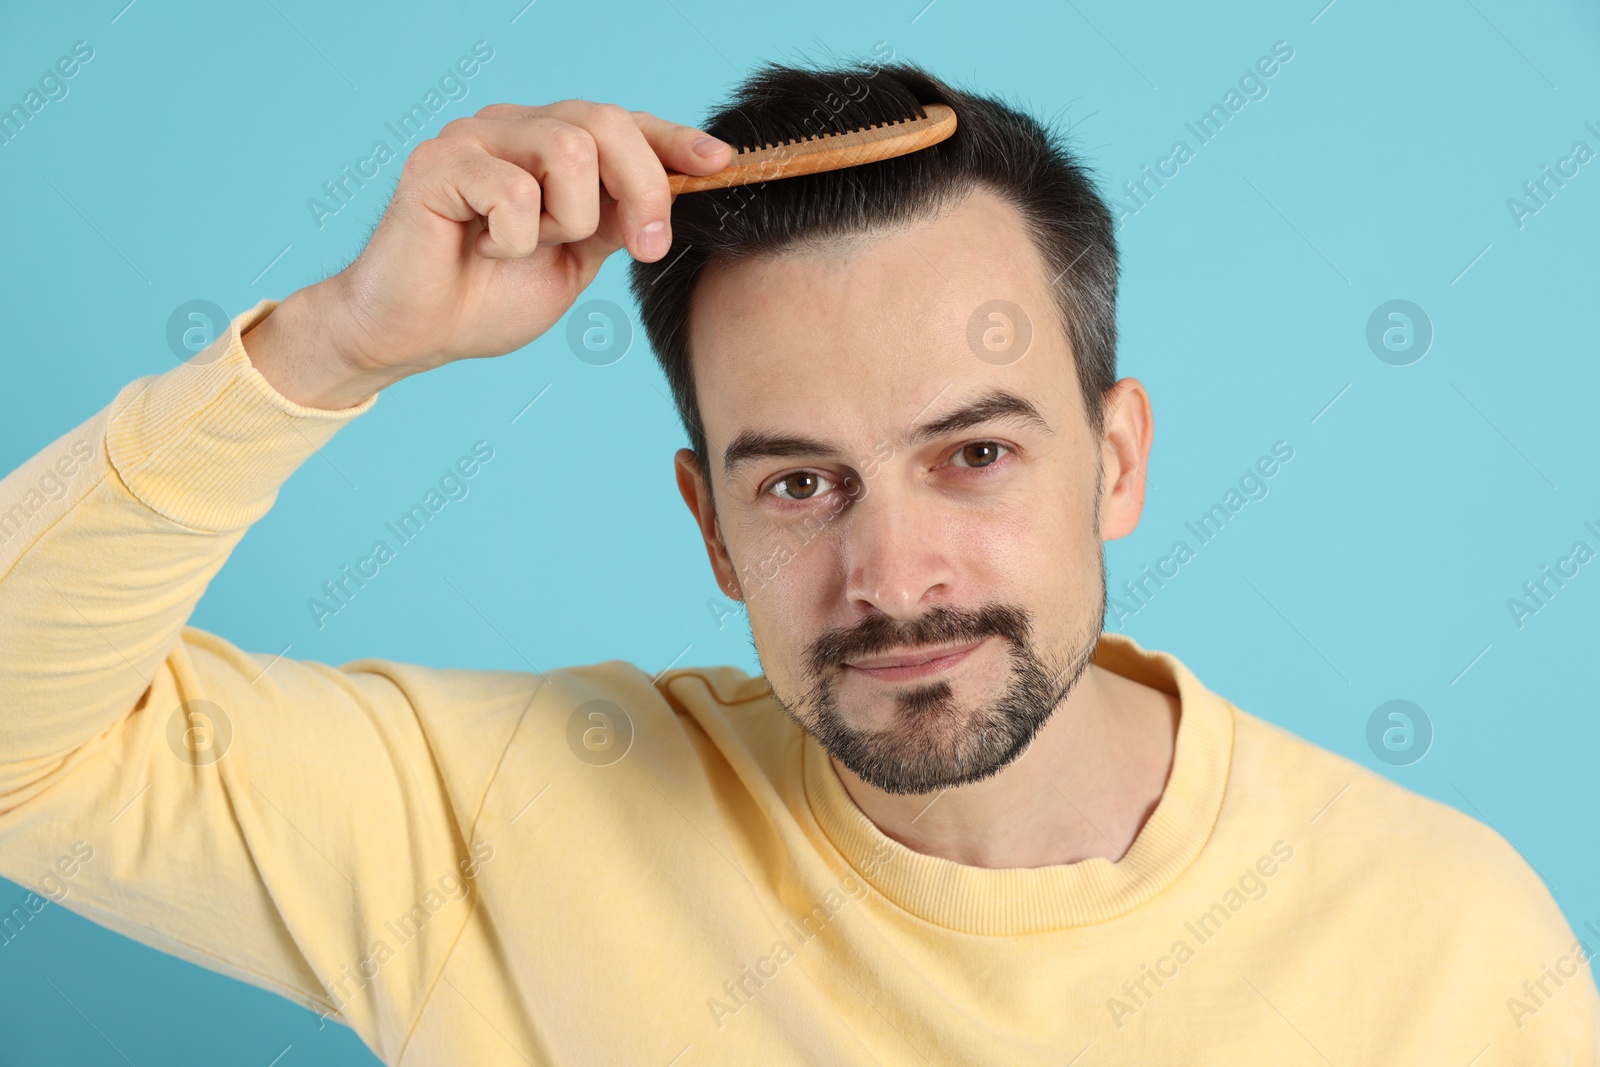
<point>815,153</point>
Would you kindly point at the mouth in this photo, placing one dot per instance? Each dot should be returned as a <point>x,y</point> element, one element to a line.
<point>910,664</point>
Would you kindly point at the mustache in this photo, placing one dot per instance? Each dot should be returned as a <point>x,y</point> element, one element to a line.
<point>941,625</point>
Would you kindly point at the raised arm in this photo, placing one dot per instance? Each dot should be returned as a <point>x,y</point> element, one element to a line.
<point>261,816</point>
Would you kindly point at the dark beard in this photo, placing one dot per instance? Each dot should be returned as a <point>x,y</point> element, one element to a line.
<point>935,743</point>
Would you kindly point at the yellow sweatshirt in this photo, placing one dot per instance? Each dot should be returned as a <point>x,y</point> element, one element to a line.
<point>494,867</point>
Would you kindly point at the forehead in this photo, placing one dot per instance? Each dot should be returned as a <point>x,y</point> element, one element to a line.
<point>850,339</point>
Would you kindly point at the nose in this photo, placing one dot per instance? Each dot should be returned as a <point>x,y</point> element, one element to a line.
<point>896,556</point>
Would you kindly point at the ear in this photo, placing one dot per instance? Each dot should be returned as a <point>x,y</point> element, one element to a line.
<point>697,495</point>
<point>1124,458</point>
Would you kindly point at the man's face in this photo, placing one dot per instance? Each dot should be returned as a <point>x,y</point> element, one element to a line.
<point>915,529</point>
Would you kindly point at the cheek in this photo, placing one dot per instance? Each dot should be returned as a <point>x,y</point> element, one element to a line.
<point>779,566</point>
<point>791,586</point>
<point>1014,523</point>
<point>1034,547</point>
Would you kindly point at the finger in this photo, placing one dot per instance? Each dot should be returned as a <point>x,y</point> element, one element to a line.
<point>631,172</point>
<point>473,181</point>
<point>592,252</point>
<point>687,149</point>
<point>683,148</point>
<point>563,158</point>
<point>633,150</point>
<point>510,201</point>
<point>461,182</point>
<point>573,147</point>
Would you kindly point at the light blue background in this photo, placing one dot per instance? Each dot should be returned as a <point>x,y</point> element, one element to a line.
<point>1378,167</point>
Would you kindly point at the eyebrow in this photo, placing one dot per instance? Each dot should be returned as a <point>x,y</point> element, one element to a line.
<point>997,406</point>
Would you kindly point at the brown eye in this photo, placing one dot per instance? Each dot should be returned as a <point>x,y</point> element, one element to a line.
<point>801,485</point>
<point>978,454</point>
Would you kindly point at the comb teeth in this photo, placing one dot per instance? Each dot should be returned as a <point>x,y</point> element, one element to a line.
<point>758,162</point>
<point>745,146</point>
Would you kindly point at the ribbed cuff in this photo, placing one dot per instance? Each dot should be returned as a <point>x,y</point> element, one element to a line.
<point>208,443</point>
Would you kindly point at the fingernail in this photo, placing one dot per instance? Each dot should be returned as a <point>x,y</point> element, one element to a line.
<point>708,146</point>
<point>653,239</point>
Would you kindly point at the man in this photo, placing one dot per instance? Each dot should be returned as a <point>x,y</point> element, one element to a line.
<point>952,822</point>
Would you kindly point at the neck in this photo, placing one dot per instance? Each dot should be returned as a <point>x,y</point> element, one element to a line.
<point>1082,789</point>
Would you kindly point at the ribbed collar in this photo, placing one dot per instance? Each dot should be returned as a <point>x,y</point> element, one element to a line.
<point>1026,900</point>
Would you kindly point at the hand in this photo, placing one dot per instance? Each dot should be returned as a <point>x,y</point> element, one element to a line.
<point>494,229</point>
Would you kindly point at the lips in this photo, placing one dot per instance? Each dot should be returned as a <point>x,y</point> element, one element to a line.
<point>914,663</point>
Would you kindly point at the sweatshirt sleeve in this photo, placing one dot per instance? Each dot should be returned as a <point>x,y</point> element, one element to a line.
<point>263,817</point>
